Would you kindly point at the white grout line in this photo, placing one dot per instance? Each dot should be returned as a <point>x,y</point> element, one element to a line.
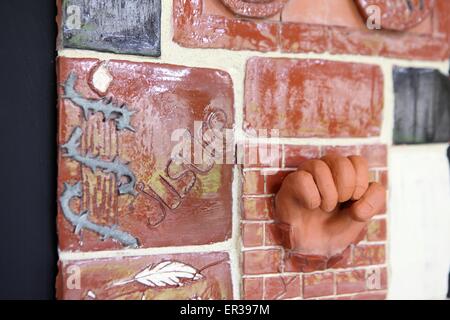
<point>215,247</point>
<point>256,196</point>
<point>236,236</point>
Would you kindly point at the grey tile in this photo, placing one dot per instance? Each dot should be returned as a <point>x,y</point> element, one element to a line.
<point>422,106</point>
<point>120,26</point>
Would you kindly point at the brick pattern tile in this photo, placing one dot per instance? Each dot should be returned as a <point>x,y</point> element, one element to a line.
<point>316,285</point>
<point>361,274</point>
<point>313,98</point>
<point>303,26</point>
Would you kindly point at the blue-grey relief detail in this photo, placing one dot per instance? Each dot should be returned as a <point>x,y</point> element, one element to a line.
<point>120,169</point>
<point>422,106</point>
<point>119,26</point>
<point>119,113</point>
<point>81,221</point>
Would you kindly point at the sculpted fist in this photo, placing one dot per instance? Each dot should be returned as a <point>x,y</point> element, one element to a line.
<point>323,208</point>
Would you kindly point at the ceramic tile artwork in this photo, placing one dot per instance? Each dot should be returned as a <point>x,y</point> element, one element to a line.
<point>263,254</point>
<point>187,276</point>
<point>118,185</point>
<point>129,214</point>
<point>313,98</point>
<point>422,107</point>
<point>132,26</point>
<point>300,26</point>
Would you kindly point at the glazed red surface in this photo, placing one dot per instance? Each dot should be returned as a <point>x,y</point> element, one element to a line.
<point>337,27</point>
<point>164,98</point>
<point>313,98</point>
<point>99,278</point>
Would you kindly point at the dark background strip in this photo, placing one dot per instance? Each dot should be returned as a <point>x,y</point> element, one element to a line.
<point>27,153</point>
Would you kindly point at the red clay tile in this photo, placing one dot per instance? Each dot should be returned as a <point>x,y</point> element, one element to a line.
<point>313,98</point>
<point>135,194</point>
<point>253,288</point>
<point>343,151</point>
<point>318,26</point>
<point>252,234</point>
<point>257,208</point>
<point>195,276</point>
<point>295,155</point>
<point>253,183</point>
<point>282,287</point>
<point>194,29</point>
<point>261,261</point>
<point>350,281</point>
<point>317,285</point>
<point>272,235</point>
<point>376,230</point>
<point>337,27</point>
<point>365,255</point>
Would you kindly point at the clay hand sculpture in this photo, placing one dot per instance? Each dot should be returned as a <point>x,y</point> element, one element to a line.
<point>324,207</point>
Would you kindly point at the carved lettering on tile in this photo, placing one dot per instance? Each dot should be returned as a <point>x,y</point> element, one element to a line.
<point>115,139</point>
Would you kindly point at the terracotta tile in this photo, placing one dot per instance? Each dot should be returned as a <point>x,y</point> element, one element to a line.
<point>253,183</point>
<point>272,235</point>
<point>257,208</point>
<point>295,155</point>
<point>282,287</point>
<point>137,196</point>
<point>252,234</point>
<point>343,151</point>
<point>253,288</point>
<point>317,285</point>
<point>105,26</point>
<point>200,276</point>
<point>193,29</point>
<point>296,38</point>
<point>313,98</point>
<point>365,255</point>
<point>319,26</point>
<point>376,230</point>
<point>350,281</point>
<point>262,261</point>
